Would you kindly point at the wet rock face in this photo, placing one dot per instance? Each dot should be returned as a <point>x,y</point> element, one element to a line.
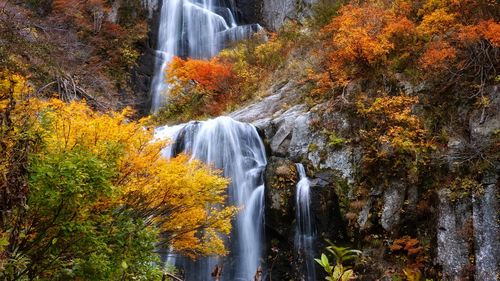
<point>281,178</point>
<point>458,230</point>
<point>454,219</point>
<point>151,6</point>
<point>393,197</point>
<point>483,126</point>
<point>248,11</point>
<point>325,207</point>
<point>272,14</point>
<point>289,132</point>
<point>142,74</point>
<point>485,209</point>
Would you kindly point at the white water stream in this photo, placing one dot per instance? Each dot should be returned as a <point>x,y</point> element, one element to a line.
<point>237,149</point>
<point>304,231</point>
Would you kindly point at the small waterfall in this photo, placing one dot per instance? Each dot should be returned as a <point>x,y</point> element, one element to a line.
<point>304,232</point>
<point>193,28</point>
<point>237,149</point>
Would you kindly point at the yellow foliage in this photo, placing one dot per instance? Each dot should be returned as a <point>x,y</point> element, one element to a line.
<point>394,140</point>
<point>14,138</point>
<point>12,88</point>
<point>438,22</point>
<point>269,54</point>
<point>173,195</point>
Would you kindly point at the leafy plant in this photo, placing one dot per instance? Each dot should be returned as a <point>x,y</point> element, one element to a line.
<point>334,141</point>
<point>338,271</point>
<point>343,254</point>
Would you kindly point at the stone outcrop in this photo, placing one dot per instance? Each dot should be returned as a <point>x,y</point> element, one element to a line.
<point>272,14</point>
<point>485,210</point>
<point>458,229</point>
<point>452,245</point>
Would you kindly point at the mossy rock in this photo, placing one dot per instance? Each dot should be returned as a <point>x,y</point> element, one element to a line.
<point>281,178</point>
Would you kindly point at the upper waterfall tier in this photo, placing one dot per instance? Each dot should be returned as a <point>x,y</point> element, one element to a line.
<point>197,29</point>
<point>237,149</point>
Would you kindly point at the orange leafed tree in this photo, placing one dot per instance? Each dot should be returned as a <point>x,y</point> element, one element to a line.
<point>438,56</point>
<point>362,37</point>
<point>369,38</point>
<point>206,87</point>
<point>208,75</point>
<point>171,195</point>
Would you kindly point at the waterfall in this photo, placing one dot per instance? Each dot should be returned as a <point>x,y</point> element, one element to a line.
<point>237,149</point>
<point>193,28</point>
<point>304,231</point>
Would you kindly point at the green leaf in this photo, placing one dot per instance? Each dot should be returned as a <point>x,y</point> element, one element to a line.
<point>124,265</point>
<point>324,259</point>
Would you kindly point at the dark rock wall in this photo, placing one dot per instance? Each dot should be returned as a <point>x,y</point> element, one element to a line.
<point>142,74</point>
<point>283,262</point>
<point>459,237</point>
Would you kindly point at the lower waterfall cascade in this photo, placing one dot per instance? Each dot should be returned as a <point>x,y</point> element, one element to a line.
<point>304,229</point>
<point>237,149</point>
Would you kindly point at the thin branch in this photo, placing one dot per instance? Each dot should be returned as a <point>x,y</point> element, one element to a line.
<point>166,274</point>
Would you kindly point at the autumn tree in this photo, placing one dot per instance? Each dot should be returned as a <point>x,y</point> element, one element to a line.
<point>100,197</point>
<point>394,138</point>
<point>429,39</point>
<point>198,88</point>
<point>113,39</point>
<point>15,144</point>
<point>363,38</point>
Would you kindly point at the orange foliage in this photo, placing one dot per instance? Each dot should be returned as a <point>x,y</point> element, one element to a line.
<point>209,75</point>
<point>438,56</point>
<point>363,36</point>
<point>408,244</point>
<point>411,247</point>
<point>485,29</point>
<point>379,36</point>
<point>184,199</point>
<point>207,87</point>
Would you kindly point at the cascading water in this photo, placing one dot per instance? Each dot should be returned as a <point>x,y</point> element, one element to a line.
<point>193,28</point>
<point>237,149</point>
<point>304,231</point>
